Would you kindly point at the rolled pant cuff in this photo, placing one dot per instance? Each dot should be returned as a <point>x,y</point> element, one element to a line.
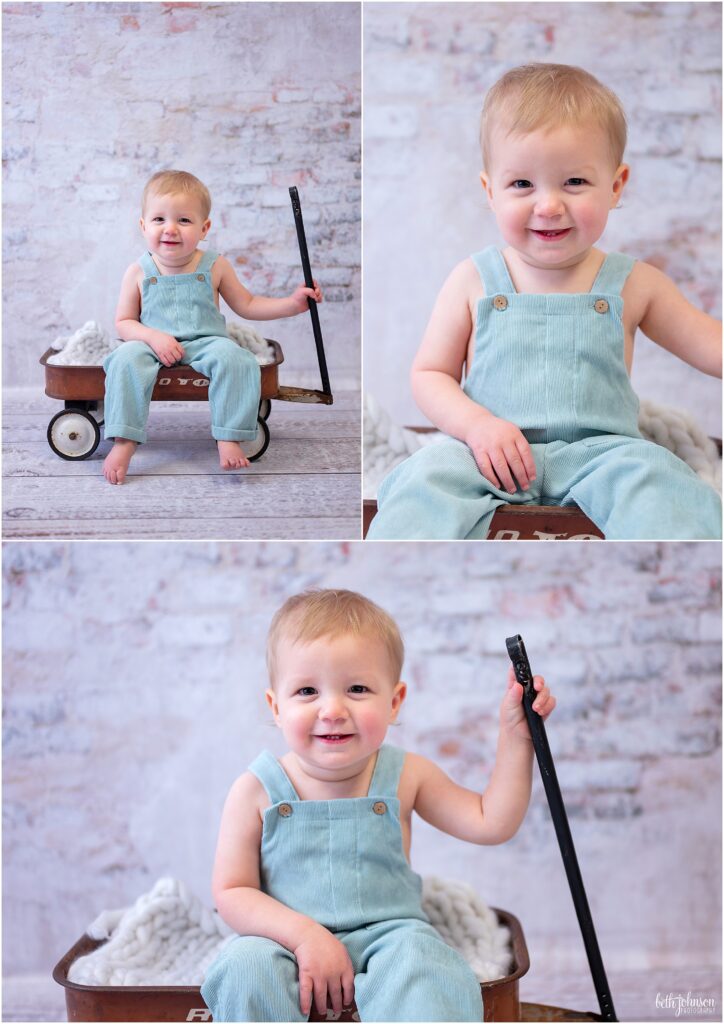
<point>224,434</point>
<point>113,430</point>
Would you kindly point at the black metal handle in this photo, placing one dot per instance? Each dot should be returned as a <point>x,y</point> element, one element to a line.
<point>523,674</point>
<point>309,282</point>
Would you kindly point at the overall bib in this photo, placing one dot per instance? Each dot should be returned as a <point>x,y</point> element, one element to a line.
<point>183,306</point>
<point>554,366</point>
<point>341,862</point>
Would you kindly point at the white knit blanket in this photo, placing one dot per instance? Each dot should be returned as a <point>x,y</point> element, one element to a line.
<point>168,936</point>
<point>91,343</point>
<point>386,445</point>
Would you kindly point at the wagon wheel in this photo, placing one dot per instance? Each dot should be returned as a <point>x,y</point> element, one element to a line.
<point>73,434</point>
<point>264,409</point>
<point>256,448</point>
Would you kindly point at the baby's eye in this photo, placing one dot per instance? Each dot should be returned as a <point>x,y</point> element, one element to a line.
<point>185,220</point>
<point>521,183</point>
<point>576,181</point>
<point>306,691</point>
<point>359,688</point>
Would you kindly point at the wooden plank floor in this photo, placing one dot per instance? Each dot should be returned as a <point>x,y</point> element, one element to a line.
<point>306,485</point>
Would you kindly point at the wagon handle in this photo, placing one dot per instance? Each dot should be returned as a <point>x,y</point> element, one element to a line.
<point>309,282</point>
<point>523,674</point>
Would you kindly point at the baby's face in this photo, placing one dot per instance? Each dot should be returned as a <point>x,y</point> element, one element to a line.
<point>333,699</point>
<point>173,225</point>
<point>551,192</point>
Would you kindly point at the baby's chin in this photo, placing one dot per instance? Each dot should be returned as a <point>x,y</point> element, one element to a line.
<point>555,258</point>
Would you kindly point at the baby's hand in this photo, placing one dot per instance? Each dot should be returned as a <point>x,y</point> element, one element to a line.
<point>325,970</point>
<point>168,350</point>
<point>501,452</point>
<point>512,715</point>
<point>300,295</point>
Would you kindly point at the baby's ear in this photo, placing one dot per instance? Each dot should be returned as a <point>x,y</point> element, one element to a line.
<point>205,228</point>
<point>398,698</point>
<point>485,182</point>
<point>619,182</point>
<point>272,701</point>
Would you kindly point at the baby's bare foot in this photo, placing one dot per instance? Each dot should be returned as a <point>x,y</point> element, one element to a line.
<point>117,460</point>
<point>231,455</point>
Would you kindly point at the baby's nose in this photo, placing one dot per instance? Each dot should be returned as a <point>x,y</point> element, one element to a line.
<point>549,205</point>
<point>333,709</point>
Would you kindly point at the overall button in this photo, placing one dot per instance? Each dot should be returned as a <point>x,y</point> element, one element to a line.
<point>153,280</point>
<point>284,810</point>
<point>200,277</point>
<point>379,807</point>
<point>500,302</point>
<point>601,306</point>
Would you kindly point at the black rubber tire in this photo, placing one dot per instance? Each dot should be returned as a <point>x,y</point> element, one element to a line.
<point>94,439</point>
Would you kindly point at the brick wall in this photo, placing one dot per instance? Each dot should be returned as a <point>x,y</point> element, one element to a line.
<point>133,695</point>
<point>427,67</point>
<point>252,98</point>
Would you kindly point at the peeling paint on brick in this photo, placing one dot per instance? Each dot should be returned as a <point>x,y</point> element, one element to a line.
<point>131,700</point>
<point>427,69</point>
<point>268,95</point>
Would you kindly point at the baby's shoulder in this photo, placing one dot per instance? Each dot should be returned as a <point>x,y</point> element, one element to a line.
<point>134,273</point>
<point>644,285</point>
<point>220,265</point>
<point>247,791</point>
<point>463,285</point>
<point>646,275</point>
<point>415,770</point>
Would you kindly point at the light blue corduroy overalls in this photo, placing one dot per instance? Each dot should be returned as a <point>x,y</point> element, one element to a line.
<point>554,366</point>
<point>342,863</point>
<point>183,306</point>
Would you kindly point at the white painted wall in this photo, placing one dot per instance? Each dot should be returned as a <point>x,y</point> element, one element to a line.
<point>133,695</point>
<point>427,67</point>
<point>250,97</point>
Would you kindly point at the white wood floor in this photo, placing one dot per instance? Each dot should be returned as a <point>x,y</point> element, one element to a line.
<point>306,485</point>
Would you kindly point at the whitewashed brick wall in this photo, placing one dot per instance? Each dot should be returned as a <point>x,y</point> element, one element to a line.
<point>427,67</point>
<point>250,97</point>
<point>133,695</point>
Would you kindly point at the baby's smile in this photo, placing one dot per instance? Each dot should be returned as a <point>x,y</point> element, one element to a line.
<point>554,234</point>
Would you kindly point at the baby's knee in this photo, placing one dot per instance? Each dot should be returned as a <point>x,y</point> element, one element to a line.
<point>131,353</point>
<point>227,350</point>
<point>252,979</point>
<point>253,955</point>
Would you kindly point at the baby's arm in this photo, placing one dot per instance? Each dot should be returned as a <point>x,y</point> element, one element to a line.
<point>497,815</point>
<point>325,968</point>
<point>129,326</point>
<point>672,322</point>
<point>500,449</point>
<point>258,307</point>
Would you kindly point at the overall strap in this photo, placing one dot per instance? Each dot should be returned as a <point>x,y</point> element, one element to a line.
<point>148,266</point>
<point>273,778</point>
<point>386,776</point>
<point>613,273</point>
<point>206,262</point>
<point>493,271</point>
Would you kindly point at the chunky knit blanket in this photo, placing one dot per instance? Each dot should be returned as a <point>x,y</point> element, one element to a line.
<point>90,344</point>
<point>168,936</point>
<point>386,444</point>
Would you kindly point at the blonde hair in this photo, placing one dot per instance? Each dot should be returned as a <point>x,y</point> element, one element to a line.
<point>164,183</point>
<point>535,96</point>
<point>330,613</point>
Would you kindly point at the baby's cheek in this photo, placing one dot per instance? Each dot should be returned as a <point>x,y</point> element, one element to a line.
<point>594,219</point>
<point>374,725</point>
